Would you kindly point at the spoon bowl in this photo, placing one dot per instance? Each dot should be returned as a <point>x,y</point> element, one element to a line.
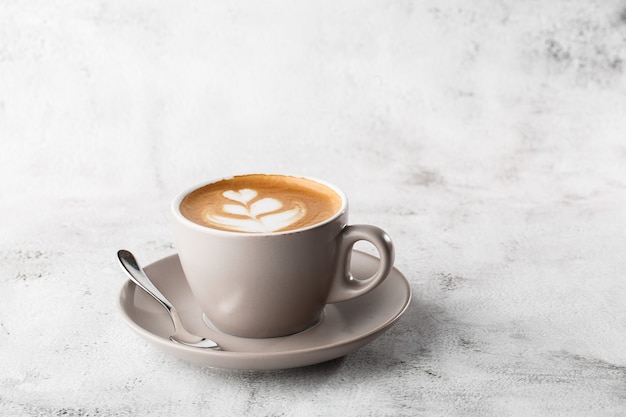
<point>139,277</point>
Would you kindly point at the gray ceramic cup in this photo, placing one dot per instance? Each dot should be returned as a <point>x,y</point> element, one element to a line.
<point>274,284</point>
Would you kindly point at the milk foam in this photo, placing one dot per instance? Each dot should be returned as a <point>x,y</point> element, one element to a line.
<point>253,215</point>
<point>261,203</point>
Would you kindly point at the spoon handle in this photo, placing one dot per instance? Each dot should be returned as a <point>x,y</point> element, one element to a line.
<point>139,277</point>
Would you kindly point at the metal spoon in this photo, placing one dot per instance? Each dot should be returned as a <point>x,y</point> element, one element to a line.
<point>139,277</point>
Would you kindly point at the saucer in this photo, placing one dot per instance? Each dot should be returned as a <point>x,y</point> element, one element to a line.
<point>344,327</point>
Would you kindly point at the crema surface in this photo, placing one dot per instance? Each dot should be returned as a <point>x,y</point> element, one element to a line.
<point>261,204</point>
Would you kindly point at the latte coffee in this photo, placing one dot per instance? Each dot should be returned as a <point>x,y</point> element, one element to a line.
<point>261,203</point>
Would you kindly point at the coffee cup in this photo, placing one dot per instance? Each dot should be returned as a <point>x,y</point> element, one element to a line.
<point>264,253</point>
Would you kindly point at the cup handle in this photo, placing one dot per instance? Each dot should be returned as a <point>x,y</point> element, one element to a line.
<point>345,286</point>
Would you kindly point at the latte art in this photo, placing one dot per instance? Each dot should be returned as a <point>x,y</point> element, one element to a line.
<point>261,204</point>
<point>254,216</point>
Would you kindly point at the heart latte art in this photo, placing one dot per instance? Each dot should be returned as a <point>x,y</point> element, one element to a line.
<point>250,215</point>
<point>261,204</point>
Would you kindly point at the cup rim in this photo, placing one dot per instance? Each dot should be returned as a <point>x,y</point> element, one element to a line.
<point>178,216</point>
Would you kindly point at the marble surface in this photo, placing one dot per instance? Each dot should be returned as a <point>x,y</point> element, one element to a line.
<point>487,138</point>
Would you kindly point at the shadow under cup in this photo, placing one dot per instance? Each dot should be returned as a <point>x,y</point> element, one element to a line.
<point>269,284</point>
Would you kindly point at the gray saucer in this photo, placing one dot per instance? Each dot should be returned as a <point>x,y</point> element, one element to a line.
<point>344,328</point>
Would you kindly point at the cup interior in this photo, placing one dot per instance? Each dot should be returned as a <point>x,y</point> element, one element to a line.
<point>259,204</point>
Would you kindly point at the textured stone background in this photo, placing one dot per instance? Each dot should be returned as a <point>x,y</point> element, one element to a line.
<point>488,138</point>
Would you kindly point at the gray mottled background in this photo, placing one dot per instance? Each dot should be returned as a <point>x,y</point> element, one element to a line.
<point>487,137</point>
